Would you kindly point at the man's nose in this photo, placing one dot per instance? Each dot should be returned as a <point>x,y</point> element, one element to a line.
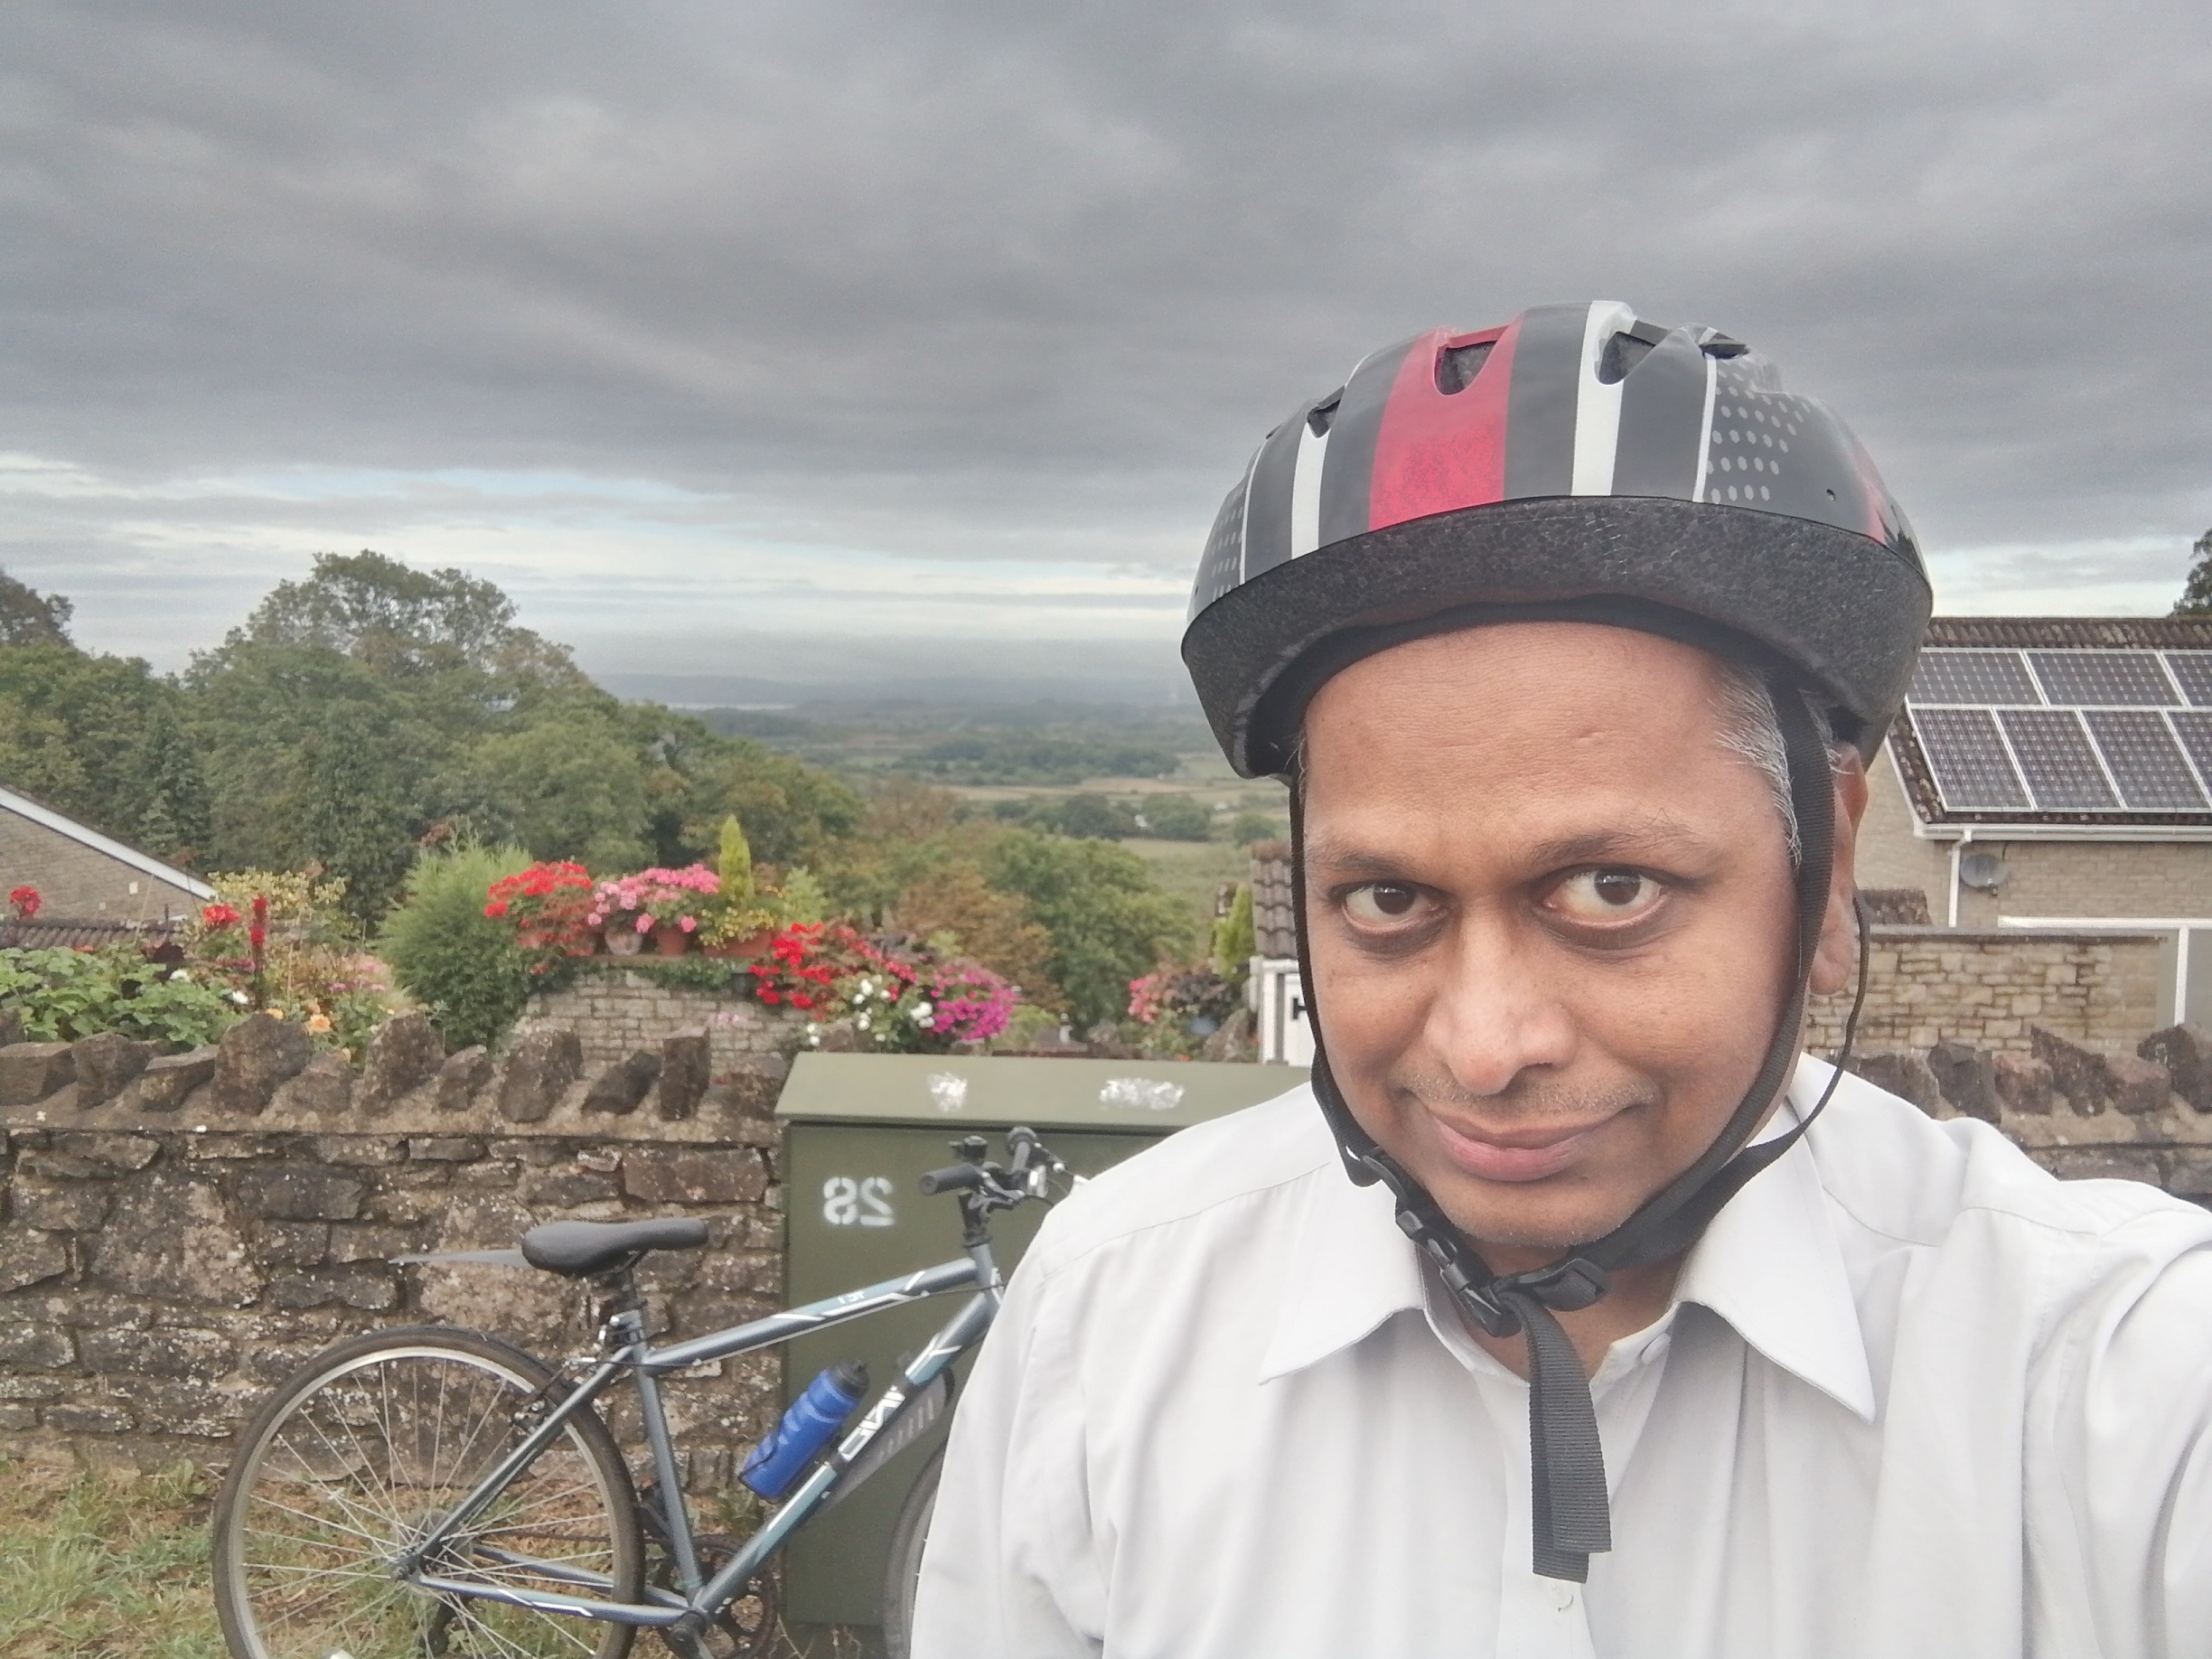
<point>1498,1011</point>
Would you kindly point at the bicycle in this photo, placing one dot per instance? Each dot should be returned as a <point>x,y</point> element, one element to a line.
<point>432,1491</point>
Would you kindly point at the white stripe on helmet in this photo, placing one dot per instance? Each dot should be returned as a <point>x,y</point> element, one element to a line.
<point>1596,405</point>
<point>1306,490</point>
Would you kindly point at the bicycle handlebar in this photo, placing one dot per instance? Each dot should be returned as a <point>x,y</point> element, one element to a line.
<point>957,1177</point>
<point>1026,1175</point>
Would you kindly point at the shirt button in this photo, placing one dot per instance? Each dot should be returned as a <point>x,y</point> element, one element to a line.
<point>1563,1594</point>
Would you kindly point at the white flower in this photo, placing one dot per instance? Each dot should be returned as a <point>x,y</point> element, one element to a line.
<point>240,997</point>
<point>862,1022</point>
<point>921,1012</point>
<point>181,976</point>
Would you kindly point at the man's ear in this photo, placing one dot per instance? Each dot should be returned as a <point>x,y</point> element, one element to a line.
<point>1834,958</point>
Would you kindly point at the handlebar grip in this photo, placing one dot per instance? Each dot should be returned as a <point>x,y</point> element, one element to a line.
<point>956,1179</point>
<point>1023,1145</point>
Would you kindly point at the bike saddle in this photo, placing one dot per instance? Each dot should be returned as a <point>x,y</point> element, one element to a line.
<point>578,1249</point>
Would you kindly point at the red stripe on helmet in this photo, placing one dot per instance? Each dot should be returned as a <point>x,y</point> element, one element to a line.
<point>1439,451</point>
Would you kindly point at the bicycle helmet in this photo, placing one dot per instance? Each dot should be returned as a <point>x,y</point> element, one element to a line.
<point>1577,463</point>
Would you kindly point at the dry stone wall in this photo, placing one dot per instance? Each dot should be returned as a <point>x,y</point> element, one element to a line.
<point>1927,985</point>
<point>181,1231</point>
<point>615,1014</point>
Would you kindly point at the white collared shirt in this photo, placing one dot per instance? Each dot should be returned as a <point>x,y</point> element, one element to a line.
<point>1913,1398</point>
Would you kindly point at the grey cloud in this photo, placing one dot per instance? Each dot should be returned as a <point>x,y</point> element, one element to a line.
<point>1026,282</point>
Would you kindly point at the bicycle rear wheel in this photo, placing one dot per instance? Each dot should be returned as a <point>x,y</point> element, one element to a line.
<point>361,1452</point>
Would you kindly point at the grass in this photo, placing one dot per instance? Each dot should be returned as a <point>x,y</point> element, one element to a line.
<point>1192,870</point>
<point>111,1563</point>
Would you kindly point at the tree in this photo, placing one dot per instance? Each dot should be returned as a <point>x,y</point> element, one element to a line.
<point>311,758</point>
<point>404,622</point>
<point>1236,940</point>
<point>1109,920</point>
<point>2197,594</point>
<point>178,819</point>
<point>569,787</point>
<point>994,928</point>
<point>1087,818</point>
<point>1176,817</point>
<point>100,739</point>
<point>30,618</point>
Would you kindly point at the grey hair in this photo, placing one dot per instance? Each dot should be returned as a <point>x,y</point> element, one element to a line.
<point>1750,728</point>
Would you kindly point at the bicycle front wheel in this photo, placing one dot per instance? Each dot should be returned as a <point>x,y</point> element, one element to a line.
<point>361,1453</point>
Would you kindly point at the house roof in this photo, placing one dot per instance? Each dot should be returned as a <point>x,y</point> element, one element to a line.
<point>41,933</point>
<point>1274,924</point>
<point>22,806</point>
<point>2081,722</point>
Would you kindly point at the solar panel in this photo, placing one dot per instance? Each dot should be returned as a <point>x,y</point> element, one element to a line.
<point>2129,678</point>
<point>2144,760</point>
<point>2055,755</point>
<point>1971,677</point>
<point>2194,729</point>
<point>2193,669</point>
<point>1972,768</point>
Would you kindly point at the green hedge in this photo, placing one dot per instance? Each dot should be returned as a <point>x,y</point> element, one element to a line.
<point>464,967</point>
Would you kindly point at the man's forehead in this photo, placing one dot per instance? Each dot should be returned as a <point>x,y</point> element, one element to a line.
<point>1500,672</point>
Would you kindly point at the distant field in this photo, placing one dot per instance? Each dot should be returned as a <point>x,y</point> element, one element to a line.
<point>1192,870</point>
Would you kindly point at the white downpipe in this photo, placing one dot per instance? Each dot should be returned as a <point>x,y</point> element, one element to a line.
<point>1957,848</point>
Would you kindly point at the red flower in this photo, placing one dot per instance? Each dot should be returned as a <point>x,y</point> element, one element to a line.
<point>770,994</point>
<point>497,907</point>
<point>216,917</point>
<point>26,901</point>
<point>800,1000</point>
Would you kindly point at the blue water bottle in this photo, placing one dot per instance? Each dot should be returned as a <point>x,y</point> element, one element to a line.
<point>812,1423</point>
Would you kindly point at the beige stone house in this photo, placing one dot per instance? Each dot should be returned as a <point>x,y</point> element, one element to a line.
<point>86,880</point>
<point>2050,768</point>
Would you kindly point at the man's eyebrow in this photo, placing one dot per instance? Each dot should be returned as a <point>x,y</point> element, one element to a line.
<point>1656,834</point>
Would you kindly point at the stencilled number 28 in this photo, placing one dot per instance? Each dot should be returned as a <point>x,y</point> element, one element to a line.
<point>864,1202</point>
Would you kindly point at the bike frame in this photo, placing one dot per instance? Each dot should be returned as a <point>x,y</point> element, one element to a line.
<point>629,1355</point>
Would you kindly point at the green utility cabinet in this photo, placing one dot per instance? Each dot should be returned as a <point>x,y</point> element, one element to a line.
<point>862,1129</point>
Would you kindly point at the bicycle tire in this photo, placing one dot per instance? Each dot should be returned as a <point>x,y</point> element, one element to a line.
<point>903,1574</point>
<point>352,1455</point>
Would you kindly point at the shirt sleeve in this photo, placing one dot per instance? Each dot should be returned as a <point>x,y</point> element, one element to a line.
<point>2132,1431</point>
<point>1011,1569</point>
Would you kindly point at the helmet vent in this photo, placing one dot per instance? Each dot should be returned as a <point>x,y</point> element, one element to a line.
<point>1622,354</point>
<point>1318,419</point>
<point>1457,366</point>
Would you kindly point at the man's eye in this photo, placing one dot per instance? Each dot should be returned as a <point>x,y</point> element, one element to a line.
<point>1381,904</point>
<point>1606,895</point>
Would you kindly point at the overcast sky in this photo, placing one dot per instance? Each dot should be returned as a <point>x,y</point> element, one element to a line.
<point>760,338</point>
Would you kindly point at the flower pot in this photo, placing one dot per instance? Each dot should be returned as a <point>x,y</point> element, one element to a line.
<point>623,940</point>
<point>744,949</point>
<point>671,940</point>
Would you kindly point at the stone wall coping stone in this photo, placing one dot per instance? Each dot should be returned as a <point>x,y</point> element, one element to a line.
<point>1903,932</point>
<point>416,1114</point>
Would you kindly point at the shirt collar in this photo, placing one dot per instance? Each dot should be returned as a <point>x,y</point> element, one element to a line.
<point>1769,1264</point>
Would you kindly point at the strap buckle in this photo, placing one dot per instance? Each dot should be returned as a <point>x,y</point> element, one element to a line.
<point>1564,1286</point>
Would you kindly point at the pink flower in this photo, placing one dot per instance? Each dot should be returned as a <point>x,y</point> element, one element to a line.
<point>596,919</point>
<point>645,925</point>
<point>689,923</point>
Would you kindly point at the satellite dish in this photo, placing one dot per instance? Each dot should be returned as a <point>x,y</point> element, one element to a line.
<point>1984,872</point>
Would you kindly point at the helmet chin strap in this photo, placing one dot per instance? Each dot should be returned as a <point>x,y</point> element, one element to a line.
<point>1570,1512</point>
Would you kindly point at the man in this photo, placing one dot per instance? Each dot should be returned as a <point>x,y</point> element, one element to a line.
<point>1571,1311</point>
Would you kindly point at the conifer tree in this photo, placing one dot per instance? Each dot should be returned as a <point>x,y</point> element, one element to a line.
<point>2197,596</point>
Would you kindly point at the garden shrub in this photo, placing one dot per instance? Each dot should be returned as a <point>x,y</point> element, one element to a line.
<point>64,994</point>
<point>464,967</point>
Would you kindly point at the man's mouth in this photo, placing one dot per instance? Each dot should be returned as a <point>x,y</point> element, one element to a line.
<point>1514,1154</point>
